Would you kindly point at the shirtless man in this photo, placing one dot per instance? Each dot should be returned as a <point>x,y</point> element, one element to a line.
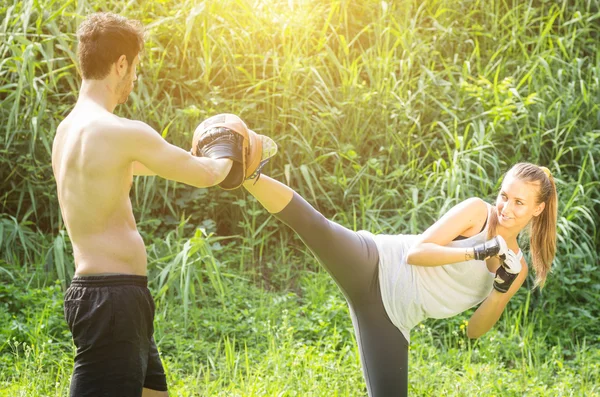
<point>95,154</point>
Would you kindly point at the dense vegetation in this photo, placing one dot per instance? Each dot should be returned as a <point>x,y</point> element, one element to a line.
<point>386,115</point>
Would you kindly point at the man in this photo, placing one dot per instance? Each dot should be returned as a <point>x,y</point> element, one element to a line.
<point>94,157</point>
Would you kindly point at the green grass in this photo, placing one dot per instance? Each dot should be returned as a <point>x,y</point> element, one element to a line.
<point>281,343</point>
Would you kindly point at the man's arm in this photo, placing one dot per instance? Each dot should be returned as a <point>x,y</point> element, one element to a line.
<point>140,169</point>
<point>142,144</point>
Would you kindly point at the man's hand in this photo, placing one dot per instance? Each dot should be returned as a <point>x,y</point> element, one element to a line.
<point>227,136</point>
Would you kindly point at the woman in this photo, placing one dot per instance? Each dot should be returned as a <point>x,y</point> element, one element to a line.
<point>392,282</point>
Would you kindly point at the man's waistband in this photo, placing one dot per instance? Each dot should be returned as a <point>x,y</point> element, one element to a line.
<point>108,280</point>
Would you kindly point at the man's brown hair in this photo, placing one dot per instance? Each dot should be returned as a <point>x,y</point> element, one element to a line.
<point>103,38</point>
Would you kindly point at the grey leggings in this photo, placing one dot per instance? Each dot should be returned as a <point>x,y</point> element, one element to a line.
<point>352,260</point>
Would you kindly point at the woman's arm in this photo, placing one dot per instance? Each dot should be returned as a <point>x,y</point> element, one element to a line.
<point>465,218</point>
<point>489,312</point>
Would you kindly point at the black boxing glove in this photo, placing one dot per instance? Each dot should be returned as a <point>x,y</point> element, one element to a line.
<point>219,143</point>
<point>492,247</point>
<point>510,267</point>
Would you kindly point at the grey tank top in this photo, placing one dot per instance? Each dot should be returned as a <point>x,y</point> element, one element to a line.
<point>413,293</point>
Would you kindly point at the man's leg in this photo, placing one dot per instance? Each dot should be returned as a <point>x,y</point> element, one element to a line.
<point>108,316</point>
<point>155,383</point>
<point>154,393</point>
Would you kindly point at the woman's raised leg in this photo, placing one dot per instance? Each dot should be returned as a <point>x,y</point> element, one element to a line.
<point>351,259</point>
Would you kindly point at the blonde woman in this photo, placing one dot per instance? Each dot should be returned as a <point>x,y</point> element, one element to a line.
<point>393,282</point>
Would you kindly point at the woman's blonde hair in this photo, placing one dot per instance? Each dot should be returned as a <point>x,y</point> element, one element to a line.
<point>542,236</point>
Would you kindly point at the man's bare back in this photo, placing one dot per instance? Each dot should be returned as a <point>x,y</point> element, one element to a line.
<point>93,157</point>
<point>93,191</point>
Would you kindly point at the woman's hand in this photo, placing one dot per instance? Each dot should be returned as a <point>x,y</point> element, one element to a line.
<point>488,313</point>
<point>494,246</point>
<point>510,267</point>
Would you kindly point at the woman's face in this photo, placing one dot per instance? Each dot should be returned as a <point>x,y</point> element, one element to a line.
<point>517,202</point>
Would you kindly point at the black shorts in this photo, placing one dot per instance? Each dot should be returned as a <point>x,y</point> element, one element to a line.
<point>111,319</point>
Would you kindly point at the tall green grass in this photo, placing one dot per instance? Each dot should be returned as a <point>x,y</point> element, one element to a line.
<point>439,96</point>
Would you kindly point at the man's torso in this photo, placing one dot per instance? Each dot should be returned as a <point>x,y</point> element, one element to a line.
<point>93,179</point>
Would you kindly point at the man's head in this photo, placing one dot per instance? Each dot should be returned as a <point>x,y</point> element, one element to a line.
<point>109,45</point>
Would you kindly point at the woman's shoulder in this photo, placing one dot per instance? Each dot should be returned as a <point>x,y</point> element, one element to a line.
<point>476,204</point>
<point>478,211</point>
